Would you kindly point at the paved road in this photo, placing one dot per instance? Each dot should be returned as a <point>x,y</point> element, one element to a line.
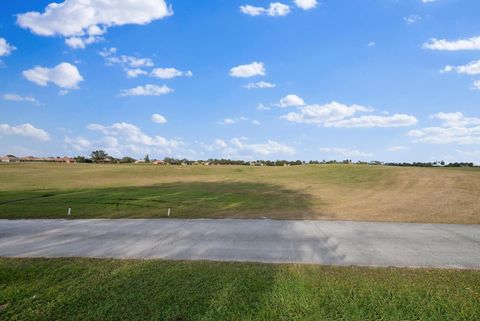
<point>332,243</point>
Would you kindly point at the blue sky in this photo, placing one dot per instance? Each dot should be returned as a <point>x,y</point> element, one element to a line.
<point>333,79</point>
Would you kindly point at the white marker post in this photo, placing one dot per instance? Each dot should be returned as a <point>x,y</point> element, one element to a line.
<point>168,212</point>
<point>69,211</point>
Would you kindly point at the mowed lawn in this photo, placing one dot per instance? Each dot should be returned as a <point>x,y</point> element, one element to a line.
<point>88,289</point>
<point>333,192</point>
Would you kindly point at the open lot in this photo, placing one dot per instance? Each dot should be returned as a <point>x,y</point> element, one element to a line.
<point>328,192</point>
<point>88,289</point>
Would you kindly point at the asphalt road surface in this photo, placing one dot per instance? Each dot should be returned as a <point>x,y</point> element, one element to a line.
<point>318,242</point>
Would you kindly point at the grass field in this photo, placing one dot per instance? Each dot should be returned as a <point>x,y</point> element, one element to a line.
<point>87,289</point>
<point>340,192</point>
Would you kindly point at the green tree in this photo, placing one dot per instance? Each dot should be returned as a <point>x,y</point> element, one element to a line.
<point>98,156</point>
<point>127,159</point>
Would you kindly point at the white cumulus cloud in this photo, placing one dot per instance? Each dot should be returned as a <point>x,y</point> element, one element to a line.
<point>306,4</point>
<point>168,73</point>
<point>83,21</point>
<point>64,75</point>
<point>147,90</point>
<point>291,100</point>
<point>274,9</point>
<point>240,148</point>
<point>124,138</point>
<point>472,68</point>
<point>249,70</point>
<point>335,114</point>
<point>5,47</point>
<point>134,73</point>
<point>159,119</point>
<point>24,130</point>
<point>453,45</point>
<point>455,128</point>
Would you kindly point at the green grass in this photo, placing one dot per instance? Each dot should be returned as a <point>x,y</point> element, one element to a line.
<point>334,192</point>
<point>87,289</point>
<point>187,200</point>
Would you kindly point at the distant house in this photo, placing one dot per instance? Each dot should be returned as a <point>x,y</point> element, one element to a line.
<point>140,161</point>
<point>32,159</point>
<point>158,162</point>
<point>67,160</point>
<point>9,159</point>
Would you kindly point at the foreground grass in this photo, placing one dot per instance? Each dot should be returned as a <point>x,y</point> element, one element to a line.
<point>87,289</point>
<point>339,192</point>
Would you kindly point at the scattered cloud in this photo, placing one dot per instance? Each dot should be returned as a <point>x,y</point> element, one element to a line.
<point>24,130</point>
<point>147,90</point>
<point>455,128</point>
<point>291,100</point>
<point>306,4</point>
<point>274,10</point>
<point>259,85</point>
<point>64,75</point>
<point>396,148</point>
<point>5,47</point>
<point>269,148</point>
<point>455,45</point>
<point>428,1</point>
<point>159,119</point>
<point>411,19</point>
<point>168,73</point>
<point>344,152</point>
<point>81,43</point>
<point>15,97</point>
<point>231,121</point>
<point>111,58</point>
<point>240,148</point>
<point>476,85</point>
<point>131,65</point>
<point>124,138</point>
<point>83,22</point>
<point>256,122</point>
<point>335,114</point>
<point>79,144</point>
<point>472,68</point>
<point>371,44</point>
<point>247,71</point>
<point>261,106</point>
<point>136,66</point>
<point>134,73</point>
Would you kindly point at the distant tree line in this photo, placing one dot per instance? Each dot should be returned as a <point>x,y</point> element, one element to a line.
<point>432,164</point>
<point>100,156</point>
